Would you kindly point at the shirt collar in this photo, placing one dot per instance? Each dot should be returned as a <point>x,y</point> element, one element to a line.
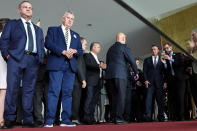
<point>93,54</point>
<point>23,20</point>
<point>64,28</point>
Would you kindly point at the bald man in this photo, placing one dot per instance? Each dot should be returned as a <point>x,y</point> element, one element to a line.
<point>118,57</point>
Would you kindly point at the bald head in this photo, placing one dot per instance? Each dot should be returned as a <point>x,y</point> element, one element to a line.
<point>121,37</point>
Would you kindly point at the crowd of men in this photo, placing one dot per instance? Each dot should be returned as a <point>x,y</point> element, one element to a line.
<point>66,86</point>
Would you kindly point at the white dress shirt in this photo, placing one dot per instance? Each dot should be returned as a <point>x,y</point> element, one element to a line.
<point>33,33</point>
<point>69,36</point>
<point>98,62</point>
<point>153,59</point>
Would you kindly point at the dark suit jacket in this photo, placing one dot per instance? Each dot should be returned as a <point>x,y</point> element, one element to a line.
<point>56,43</point>
<point>118,57</point>
<point>81,68</point>
<point>92,70</point>
<point>179,67</point>
<point>13,40</point>
<point>153,74</point>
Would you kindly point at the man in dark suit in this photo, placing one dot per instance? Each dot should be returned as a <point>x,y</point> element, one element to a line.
<point>22,46</point>
<point>80,82</point>
<point>64,46</point>
<point>176,82</point>
<point>118,57</point>
<point>154,82</point>
<point>93,77</point>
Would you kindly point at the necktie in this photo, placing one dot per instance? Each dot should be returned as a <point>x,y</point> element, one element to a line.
<point>30,35</point>
<point>66,37</point>
<point>172,70</point>
<point>155,61</point>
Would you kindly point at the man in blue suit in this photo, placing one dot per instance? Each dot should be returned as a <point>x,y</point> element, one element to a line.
<point>154,81</point>
<point>64,46</point>
<point>22,46</point>
<point>118,57</point>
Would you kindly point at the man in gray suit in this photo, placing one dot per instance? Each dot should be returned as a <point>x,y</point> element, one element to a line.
<point>119,56</point>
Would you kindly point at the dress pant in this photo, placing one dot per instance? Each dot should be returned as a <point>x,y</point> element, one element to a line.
<point>118,95</point>
<point>155,90</point>
<point>26,70</point>
<point>193,86</point>
<point>60,81</point>
<point>176,98</point>
<point>76,100</point>
<point>41,94</point>
<point>92,98</point>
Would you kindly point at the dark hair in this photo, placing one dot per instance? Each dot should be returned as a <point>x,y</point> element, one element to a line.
<point>166,43</point>
<point>137,59</point>
<point>3,22</point>
<point>19,6</point>
<point>155,46</point>
<point>82,38</point>
<point>92,45</point>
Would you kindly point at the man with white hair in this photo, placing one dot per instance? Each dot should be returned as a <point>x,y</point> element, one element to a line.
<point>64,46</point>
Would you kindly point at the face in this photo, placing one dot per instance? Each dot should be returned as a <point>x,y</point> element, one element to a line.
<point>96,48</point>
<point>26,10</point>
<point>68,20</point>
<point>137,62</point>
<point>167,48</point>
<point>155,51</point>
<point>84,44</point>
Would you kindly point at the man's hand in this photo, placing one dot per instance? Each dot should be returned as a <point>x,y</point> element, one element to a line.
<point>102,65</point>
<point>165,85</point>
<point>7,57</point>
<point>72,51</point>
<point>84,84</point>
<point>68,54</point>
<point>138,83</point>
<point>147,83</point>
<point>136,77</point>
<point>167,57</point>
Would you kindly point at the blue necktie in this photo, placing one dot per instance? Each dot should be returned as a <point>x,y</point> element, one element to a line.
<point>30,35</point>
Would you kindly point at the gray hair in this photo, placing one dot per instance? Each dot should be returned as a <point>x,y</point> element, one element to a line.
<point>69,11</point>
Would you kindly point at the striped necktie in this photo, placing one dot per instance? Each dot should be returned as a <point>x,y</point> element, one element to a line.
<point>66,37</point>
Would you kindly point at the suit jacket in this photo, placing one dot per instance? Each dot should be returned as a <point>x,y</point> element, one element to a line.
<point>55,42</point>
<point>92,70</point>
<point>81,68</point>
<point>179,67</point>
<point>118,57</point>
<point>154,74</point>
<point>13,40</point>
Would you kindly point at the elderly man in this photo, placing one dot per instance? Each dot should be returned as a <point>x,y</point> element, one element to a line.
<point>64,46</point>
<point>22,46</point>
<point>118,57</point>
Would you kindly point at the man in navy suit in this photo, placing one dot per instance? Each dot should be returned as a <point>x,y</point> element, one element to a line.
<point>22,46</point>
<point>118,57</point>
<point>64,46</point>
<point>154,81</point>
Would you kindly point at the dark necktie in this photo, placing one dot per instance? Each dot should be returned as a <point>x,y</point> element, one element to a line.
<point>30,35</point>
<point>155,61</point>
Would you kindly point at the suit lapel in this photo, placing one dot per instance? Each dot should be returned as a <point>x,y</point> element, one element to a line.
<point>61,33</point>
<point>20,23</point>
<point>36,32</point>
<point>71,35</point>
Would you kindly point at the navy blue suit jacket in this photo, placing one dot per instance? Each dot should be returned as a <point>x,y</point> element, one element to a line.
<point>118,57</point>
<point>13,41</point>
<point>55,42</point>
<point>153,74</point>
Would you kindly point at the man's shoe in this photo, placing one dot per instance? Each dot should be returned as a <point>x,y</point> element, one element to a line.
<point>120,122</point>
<point>8,125</point>
<point>39,124</point>
<point>76,122</point>
<point>48,126</point>
<point>29,125</point>
<point>68,124</point>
